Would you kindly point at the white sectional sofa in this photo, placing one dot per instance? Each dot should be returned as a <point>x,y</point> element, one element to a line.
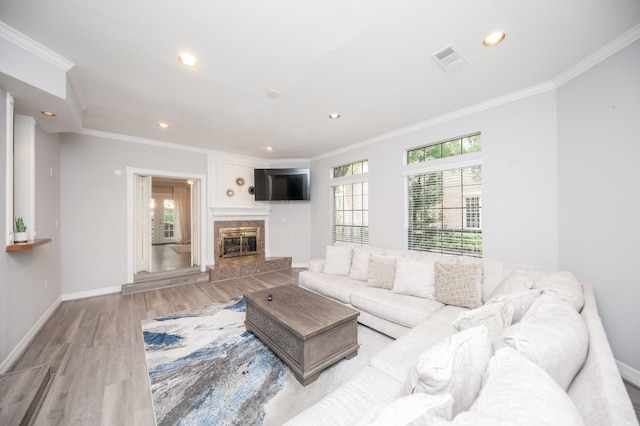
<point>477,342</point>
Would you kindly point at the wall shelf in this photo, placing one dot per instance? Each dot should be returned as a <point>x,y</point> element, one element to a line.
<point>28,245</point>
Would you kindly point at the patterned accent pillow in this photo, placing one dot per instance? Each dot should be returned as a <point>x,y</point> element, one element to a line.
<point>459,284</point>
<point>382,271</point>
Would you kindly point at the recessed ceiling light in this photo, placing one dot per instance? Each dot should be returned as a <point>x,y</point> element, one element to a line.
<point>163,125</point>
<point>187,59</point>
<point>48,113</point>
<point>334,116</point>
<point>270,148</point>
<point>493,38</point>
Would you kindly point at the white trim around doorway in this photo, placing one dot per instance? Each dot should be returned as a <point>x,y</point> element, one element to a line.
<point>131,173</point>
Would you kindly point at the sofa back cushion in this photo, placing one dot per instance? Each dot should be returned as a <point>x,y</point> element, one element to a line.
<point>552,335</point>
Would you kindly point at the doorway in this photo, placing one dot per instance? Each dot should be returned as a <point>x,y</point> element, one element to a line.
<point>165,222</point>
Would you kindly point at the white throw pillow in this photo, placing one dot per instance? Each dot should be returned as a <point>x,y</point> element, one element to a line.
<point>454,365</point>
<point>514,281</point>
<point>564,285</point>
<point>419,409</point>
<point>521,300</point>
<point>459,284</point>
<point>337,260</point>
<point>414,277</point>
<point>496,317</point>
<point>382,270</point>
<point>552,335</point>
<point>360,264</point>
<point>515,391</point>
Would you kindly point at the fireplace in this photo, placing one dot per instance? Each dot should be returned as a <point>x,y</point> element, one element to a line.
<point>239,241</point>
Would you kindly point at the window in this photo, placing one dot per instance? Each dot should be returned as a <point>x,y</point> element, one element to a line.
<point>460,146</point>
<point>350,205</point>
<point>444,205</point>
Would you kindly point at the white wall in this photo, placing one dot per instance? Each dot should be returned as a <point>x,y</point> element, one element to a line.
<point>94,204</point>
<point>599,178</point>
<point>519,181</point>
<point>24,301</point>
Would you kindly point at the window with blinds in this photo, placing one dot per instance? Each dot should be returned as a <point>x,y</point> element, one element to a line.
<point>444,211</point>
<point>350,203</point>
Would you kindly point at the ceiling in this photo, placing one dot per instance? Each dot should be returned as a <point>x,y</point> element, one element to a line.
<point>368,60</point>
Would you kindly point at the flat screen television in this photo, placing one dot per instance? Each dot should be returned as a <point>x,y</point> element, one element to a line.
<point>281,184</point>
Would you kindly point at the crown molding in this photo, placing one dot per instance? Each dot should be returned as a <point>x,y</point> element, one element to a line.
<point>35,48</point>
<point>502,100</point>
<point>599,55</point>
<point>135,139</point>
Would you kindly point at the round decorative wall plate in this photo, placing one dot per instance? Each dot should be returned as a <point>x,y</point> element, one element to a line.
<point>239,181</point>
<point>230,193</point>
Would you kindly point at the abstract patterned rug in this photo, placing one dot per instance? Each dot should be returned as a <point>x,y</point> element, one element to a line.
<point>206,369</point>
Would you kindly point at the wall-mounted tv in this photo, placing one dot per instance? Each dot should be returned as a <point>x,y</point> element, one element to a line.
<point>281,184</point>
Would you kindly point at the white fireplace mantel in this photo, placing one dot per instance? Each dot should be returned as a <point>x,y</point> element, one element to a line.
<point>238,211</point>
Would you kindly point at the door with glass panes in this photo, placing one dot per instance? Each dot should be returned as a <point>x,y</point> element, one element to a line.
<point>162,213</point>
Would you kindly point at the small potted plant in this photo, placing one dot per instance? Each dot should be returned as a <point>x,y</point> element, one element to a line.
<point>20,235</point>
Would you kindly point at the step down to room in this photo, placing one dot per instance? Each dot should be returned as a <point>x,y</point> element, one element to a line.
<point>22,393</point>
<point>158,280</point>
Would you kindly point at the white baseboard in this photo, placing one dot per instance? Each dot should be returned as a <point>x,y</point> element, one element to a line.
<point>631,375</point>
<point>17,352</point>
<point>91,293</point>
<point>300,265</point>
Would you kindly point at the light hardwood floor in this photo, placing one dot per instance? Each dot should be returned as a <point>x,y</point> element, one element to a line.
<point>97,356</point>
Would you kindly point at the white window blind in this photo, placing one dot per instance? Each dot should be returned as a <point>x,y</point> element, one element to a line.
<point>350,207</point>
<point>444,211</point>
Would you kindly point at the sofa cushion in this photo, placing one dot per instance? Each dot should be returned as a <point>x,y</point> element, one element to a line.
<point>404,310</point>
<point>564,285</point>
<point>337,287</point>
<point>414,277</point>
<point>337,260</point>
<point>417,409</point>
<point>346,405</point>
<point>496,317</point>
<point>459,284</point>
<point>514,281</point>
<point>382,270</point>
<point>521,300</point>
<point>516,391</point>
<point>397,358</point>
<point>552,335</point>
<point>454,365</point>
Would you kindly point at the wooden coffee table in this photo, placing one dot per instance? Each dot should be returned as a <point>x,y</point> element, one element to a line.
<point>307,331</point>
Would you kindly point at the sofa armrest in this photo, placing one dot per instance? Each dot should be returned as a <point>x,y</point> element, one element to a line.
<point>316,265</point>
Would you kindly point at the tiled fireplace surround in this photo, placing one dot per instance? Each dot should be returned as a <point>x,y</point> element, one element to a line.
<point>238,266</point>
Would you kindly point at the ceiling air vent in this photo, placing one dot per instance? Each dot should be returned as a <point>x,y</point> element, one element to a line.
<point>449,58</point>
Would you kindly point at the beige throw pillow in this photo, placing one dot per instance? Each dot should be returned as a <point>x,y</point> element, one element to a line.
<point>382,270</point>
<point>454,365</point>
<point>459,284</point>
<point>337,260</point>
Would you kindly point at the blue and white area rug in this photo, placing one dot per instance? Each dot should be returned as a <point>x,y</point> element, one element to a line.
<point>206,369</point>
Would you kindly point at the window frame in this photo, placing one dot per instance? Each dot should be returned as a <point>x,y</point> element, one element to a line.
<point>350,179</point>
